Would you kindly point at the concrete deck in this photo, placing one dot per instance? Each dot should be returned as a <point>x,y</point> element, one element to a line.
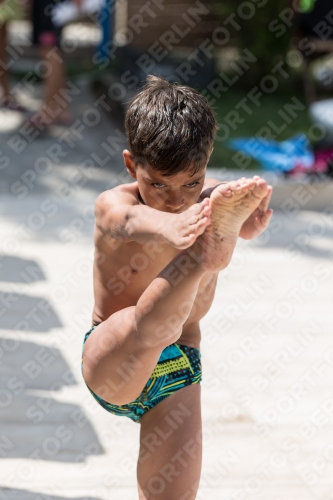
<point>267,346</point>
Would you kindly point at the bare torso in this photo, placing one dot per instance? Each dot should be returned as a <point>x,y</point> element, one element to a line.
<point>124,269</point>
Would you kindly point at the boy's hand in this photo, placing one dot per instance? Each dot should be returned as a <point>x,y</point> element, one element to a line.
<point>183,229</point>
<point>258,220</point>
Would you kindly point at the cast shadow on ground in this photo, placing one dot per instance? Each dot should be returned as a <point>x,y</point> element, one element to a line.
<point>17,270</point>
<point>22,312</point>
<point>16,494</point>
<point>33,423</point>
<point>299,236</point>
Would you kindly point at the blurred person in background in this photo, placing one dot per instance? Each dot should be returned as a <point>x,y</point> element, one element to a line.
<point>47,36</point>
<point>9,11</point>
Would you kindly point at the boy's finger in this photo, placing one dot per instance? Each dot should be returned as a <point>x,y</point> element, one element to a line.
<point>267,217</point>
<point>265,201</point>
<point>262,221</point>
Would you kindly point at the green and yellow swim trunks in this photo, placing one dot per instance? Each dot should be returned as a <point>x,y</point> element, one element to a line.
<point>177,367</point>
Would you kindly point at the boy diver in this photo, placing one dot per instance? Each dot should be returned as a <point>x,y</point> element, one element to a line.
<point>160,243</point>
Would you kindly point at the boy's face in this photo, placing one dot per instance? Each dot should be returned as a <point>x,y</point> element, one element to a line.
<point>168,194</point>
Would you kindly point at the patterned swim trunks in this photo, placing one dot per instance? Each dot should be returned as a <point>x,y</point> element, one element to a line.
<point>177,367</point>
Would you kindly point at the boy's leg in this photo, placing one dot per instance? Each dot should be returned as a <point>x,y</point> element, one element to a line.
<point>121,353</point>
<point>169,463</point>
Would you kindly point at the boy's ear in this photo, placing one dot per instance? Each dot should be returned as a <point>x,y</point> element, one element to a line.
<point>129,163</point>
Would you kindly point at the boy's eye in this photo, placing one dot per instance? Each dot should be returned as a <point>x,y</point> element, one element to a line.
<point>158,185</point>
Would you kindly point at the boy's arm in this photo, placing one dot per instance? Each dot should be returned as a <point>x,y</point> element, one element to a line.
<point>119,215</point>
<point>258,220</point>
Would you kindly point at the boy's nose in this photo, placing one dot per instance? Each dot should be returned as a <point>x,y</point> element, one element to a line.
<point>175,203</point>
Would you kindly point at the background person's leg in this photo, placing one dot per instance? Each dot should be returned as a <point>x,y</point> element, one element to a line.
<point>56,103</point>
<point>170,457</point>
<point>3,72</point>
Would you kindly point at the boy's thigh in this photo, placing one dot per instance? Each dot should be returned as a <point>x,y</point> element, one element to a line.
<point>169,464</point>
<point>115,364</point>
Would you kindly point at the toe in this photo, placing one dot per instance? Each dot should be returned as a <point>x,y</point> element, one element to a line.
<point>225,189</point>
<point>261,188</point>
<point>246,185</point>
<point>207,210</point>
<point>197,208</point>
<point>203,204</point>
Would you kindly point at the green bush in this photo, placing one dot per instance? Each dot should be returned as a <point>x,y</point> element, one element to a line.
<point>254,25</point>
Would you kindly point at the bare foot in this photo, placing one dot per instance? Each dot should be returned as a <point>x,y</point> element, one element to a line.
<point>231,204</point>
<point>184,228</point>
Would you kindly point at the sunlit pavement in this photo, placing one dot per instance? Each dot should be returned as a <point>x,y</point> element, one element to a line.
<point>267,350</point>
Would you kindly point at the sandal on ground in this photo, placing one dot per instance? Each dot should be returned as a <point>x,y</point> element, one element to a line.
<point>12,105</point>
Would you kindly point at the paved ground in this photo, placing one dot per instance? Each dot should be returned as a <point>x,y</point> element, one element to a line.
<point>267,348</point>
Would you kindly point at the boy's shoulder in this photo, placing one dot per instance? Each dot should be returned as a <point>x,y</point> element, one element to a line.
<point>124,194</point>
<point>209,183</point>
<point>112,206</point>
<point>208,187</point>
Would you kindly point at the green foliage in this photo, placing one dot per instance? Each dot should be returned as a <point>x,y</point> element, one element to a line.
<point>266,115</point>
<point>253,25</point>
<point>306,5</point>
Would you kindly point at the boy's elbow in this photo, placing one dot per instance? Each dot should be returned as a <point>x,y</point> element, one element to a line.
<point>130,224</point>
<point>128,227</point>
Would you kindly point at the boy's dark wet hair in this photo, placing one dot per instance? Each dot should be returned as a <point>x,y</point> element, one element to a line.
<point>170,127</point>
